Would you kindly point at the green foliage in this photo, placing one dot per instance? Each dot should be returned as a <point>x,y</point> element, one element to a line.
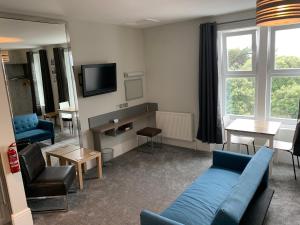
<point>239,59</point>
<point>240,92</point>
<point>240,96</point>
<point>287,62</point>
<point>285,97</point>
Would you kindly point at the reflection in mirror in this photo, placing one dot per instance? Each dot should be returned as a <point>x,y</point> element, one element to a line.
<point>41,87</point>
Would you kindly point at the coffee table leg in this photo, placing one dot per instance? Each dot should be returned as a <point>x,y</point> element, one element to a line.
<point>62,162</point>
<point>99,165</point>
<point>80,178</point>
<point>48,157</point>
<point>84,166</point>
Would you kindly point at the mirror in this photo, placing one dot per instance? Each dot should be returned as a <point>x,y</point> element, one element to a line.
<point>38,64</point>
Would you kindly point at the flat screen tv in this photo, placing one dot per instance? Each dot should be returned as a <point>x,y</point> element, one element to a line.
<point>98,79</point>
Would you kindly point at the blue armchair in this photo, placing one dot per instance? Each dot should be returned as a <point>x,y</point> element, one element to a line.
<point>29,128</point>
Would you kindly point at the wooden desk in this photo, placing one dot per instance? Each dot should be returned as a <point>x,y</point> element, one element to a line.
<point>73,112</point>
<point>252,128</point>
<point>77,156</point>
<point>115,126</point>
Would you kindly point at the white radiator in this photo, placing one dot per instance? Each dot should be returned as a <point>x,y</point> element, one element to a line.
<point>176,125</point>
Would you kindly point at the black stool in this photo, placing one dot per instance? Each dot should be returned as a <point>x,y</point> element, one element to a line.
<point>149,132</point>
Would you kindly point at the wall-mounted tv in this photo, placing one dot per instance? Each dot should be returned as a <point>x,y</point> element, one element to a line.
<point>99,79</point>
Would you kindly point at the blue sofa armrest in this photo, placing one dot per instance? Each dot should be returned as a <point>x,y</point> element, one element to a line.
<point>150,218</point>
<point>46,125</point>
<point>230,160</point>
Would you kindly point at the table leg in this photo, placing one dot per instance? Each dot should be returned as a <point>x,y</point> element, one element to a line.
<point>271,143</point>
<point>62,162</point>
<point>48,157</point>
<point>84,167</point>
<point>228,140</point>
<point>99,165</point>
<point>80,178</point>
<point>61,123</point>
<point>74,123</point>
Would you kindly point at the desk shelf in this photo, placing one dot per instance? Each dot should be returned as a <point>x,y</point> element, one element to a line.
<point>119,130</point>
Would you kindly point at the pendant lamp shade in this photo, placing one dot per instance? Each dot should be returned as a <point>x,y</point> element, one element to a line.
<point>277,12</point>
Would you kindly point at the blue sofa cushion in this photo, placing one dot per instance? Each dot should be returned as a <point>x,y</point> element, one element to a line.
<point>236,203</point>
<point>200,202</point>
<point>25,122</point>
<point>31,135</point>
<point>150,218</point>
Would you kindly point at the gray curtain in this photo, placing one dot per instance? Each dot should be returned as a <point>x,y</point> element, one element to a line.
<point>47,85</point>
<point>298,118</point>
<point>61,76</point>
<point>210,126</point>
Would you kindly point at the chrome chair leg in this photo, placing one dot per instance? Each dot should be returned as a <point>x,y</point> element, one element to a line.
<point>247,147</point>
<point>254,149</point>
<point>64,209</point>
<point>223,146</point>
<point>294,166</point>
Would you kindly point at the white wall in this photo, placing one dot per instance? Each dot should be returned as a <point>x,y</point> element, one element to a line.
<point>100,43</point>
<point>21,214</point>
<point>172,61</point>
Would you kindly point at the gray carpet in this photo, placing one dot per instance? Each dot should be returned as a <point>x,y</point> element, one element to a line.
<point>138,181</point>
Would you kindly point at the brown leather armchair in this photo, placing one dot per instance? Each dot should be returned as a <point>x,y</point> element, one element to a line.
<point>42,182</point>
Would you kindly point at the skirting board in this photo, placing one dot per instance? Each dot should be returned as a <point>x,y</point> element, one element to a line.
<point>196,145</point>
<point>22,218</point>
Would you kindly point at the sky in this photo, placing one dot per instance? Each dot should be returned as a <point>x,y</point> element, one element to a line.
<point>287,42</point>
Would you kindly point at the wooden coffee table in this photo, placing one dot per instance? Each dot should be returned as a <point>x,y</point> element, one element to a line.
<point>59,152</point>
<point>72,154</point>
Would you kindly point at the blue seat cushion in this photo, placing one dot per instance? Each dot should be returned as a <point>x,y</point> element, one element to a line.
<point>33,135</point>
<point>200,202</point>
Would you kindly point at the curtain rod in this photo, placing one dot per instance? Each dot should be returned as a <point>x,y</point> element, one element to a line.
<point>236,21</point>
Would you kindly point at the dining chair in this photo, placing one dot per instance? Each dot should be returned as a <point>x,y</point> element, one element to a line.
<point>65,116</point>
<point>239,140</point>
<point>291,147</point>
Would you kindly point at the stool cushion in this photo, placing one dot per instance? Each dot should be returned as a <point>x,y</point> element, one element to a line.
<point>149,132</point>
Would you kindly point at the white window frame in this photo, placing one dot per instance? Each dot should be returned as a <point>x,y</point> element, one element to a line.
<point>233,33</point>
<point>237,74</point>
<point>272,72</point>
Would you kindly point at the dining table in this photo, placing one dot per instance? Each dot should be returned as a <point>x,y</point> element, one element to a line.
<point>253,128</point>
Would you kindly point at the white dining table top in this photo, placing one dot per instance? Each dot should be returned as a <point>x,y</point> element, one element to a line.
<point>254,126</point>
<point>66,110</point>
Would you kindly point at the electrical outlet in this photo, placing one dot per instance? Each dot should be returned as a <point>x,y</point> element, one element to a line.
<point>123,105</point>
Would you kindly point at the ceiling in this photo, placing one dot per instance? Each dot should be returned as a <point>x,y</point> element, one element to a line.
<point>126,12</point>
<point>30,34</point>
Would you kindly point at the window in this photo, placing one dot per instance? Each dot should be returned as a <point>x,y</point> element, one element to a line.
<point>284,72</point>
<point>239,72</point>
<point>37,80</point>
<point>262,83</point>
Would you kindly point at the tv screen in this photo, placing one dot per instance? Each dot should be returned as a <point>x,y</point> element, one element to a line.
<point>98,79</point>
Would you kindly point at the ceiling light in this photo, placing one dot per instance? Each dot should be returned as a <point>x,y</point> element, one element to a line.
<point>277,12</point>
<point>10,39</point>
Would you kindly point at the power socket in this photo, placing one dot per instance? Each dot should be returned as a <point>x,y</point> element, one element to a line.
<point>123,105</point>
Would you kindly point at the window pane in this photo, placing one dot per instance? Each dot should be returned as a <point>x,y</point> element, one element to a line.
<point>285,97</point>
<point>240,96</point>
<point>239,53</point>
<point>287,49</point>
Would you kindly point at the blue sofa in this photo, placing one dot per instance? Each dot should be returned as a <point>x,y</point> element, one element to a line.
<point>29,128</point>
<point>221,195</point>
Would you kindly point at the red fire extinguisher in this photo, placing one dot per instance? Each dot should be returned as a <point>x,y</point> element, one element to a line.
<point>13,158</point>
